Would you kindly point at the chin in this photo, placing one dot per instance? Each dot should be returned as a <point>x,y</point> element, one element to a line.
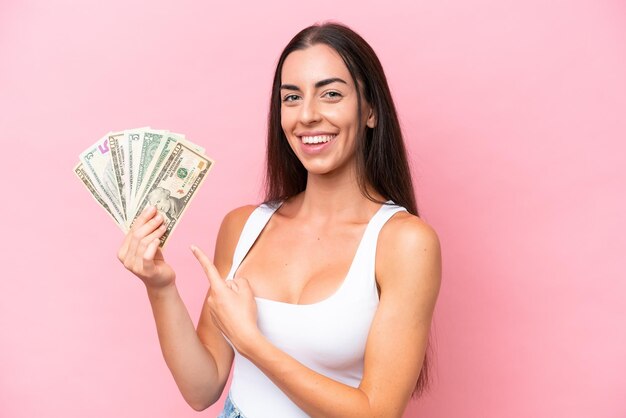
<point>323,169</point>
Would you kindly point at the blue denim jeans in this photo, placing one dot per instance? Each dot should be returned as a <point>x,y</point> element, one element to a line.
<point>230,409</point>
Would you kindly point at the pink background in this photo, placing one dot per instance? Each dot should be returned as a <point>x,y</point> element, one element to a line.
<point>515,118</point>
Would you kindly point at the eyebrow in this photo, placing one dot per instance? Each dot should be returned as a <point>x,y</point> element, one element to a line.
<point>319,84</point>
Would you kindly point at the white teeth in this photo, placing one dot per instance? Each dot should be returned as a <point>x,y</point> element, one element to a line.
<point>317,139</point>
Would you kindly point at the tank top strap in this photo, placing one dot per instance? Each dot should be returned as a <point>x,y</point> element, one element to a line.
<point>361,279</point>
<point>257,220</point>
<point>376,224</point>
<point>379,219</point>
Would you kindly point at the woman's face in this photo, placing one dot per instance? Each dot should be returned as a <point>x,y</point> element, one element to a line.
<point>319,109</point>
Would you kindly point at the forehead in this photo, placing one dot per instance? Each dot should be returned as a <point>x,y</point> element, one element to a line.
<point>317,62</point>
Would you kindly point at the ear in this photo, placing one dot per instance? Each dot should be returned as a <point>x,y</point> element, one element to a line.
<point>371,119</point>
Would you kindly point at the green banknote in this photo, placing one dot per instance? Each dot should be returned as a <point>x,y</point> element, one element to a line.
<point>176,184</point>
<point>98,166</point>
<point>80,172</point>
<point>127,170</point>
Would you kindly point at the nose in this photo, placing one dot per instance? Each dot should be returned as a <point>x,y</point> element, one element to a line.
<point>309,113</point>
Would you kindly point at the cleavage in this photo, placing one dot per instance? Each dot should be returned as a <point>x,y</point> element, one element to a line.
<point>299,267</point>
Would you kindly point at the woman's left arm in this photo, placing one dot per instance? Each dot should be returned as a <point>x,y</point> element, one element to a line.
<point>408,270</point>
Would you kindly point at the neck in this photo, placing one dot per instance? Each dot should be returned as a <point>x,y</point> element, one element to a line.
<point>335,197</point>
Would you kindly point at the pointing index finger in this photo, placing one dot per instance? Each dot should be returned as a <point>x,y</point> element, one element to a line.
<point>211,272</point>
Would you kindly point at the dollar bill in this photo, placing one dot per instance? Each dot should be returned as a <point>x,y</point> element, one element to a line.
<point>163,152</point>
<point>80,172</point>
<point>135,139</point>
<point>118,144</point>
<point>135,147</point>
<point>175,185</point>
<point>121,155</point>
<point>149,145</point>
<point>98,166</point>
<point>126,171</point>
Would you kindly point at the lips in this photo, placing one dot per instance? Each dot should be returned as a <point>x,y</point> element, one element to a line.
<point>316,139</point>
<point>314,143</point>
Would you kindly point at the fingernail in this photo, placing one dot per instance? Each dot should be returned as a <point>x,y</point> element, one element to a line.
<point>193,248</point>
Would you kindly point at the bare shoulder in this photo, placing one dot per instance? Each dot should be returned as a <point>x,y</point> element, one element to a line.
<point>408,251</point>
<point>228,236</point>
<point>236,218</point>
<point>406,229</point>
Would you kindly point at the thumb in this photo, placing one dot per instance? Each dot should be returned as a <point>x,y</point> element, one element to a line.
<point>215,280</point>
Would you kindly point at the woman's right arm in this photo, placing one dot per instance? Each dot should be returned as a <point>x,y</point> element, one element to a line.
<point>199,361</point>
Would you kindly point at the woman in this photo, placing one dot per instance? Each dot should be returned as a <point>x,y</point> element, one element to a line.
<point>330,285</point>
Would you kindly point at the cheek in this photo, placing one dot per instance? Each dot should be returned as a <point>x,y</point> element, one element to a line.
<point>287,119</point>
<point>288,122</point>
<point>343,114</point>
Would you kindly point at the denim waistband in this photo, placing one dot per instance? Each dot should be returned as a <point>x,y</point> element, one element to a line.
<point>230,409</point>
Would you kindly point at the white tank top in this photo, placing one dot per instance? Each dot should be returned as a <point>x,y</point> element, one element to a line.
<point>328,336</point>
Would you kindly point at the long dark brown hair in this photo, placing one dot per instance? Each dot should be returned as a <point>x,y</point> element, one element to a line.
<point>381,158</point>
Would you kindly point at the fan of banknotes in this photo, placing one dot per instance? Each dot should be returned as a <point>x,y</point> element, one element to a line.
<point>128,170</point>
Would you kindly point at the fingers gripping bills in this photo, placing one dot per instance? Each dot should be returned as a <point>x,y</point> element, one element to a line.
<point>127,171</point>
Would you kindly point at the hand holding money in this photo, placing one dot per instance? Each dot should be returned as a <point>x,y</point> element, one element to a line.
<point>131,170</point>
<point>140,252</point>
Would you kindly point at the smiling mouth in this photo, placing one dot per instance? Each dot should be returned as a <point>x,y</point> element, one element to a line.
<point>317,139</point>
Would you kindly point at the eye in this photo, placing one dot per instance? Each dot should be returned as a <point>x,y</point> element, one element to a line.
<point>333,94</point>
<point>290,98</point>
